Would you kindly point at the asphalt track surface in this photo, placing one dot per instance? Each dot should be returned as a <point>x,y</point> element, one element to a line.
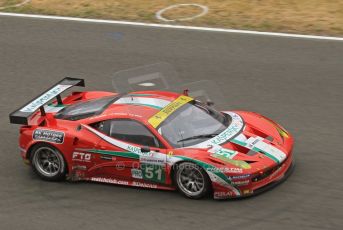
<point>297,82</point>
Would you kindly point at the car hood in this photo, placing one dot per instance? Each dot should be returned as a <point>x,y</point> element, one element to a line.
<point>252,142</point>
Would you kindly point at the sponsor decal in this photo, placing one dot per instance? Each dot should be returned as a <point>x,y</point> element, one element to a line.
<point>134,149</point>
<point>136,173</point>
<point>247,192</point>
<point>240,183</point>
<point>45,98</point>
<point>108,158</point>
<point>122,182</point>
<point>120,166</point>
<point>215,174</point>
<point>79,167</point>
<point>159,117</point>
<point>157,159</point>
<point>240,177</point>
<point>225,170</point>
<point>234,128</point>
<point>83,157</point>
<point>252,141</point>
<point>143,185</point>
<point>223,195</point>
<point>48,135</point>
<point>108,180</point>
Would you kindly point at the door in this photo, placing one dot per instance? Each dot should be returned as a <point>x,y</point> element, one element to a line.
<point>132,152</point>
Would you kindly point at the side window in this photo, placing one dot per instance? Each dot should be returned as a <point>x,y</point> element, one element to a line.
<point>132,131</point>
<point>100,126</point>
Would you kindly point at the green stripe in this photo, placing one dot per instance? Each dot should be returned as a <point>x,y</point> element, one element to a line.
<point>148,105</point>
<point>267,154</point>
<point>115,153</point>
<point>241,143</point>
<point>238,142</point>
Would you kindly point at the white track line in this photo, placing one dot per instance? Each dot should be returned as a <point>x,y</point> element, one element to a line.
<point>174,26</point>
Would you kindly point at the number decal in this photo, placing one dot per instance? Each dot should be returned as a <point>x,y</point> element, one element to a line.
<point>154,173</point>
<point>148,172</point>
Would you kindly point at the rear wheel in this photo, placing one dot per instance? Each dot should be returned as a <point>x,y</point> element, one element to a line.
<point>192,180</point>
<point>48,162</point>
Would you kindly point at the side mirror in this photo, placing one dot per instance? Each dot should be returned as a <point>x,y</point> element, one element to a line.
<point>209,103</point>
<point>145,149</point>
<point>79,127</point>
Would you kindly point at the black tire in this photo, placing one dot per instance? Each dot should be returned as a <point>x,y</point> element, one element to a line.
<point>192,180</point>
<point>48,163</point>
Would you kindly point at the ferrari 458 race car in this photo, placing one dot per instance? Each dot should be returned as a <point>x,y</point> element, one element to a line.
<point>152,139</point>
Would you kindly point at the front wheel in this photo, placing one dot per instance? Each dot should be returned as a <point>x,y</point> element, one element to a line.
<point>192,180</point>
<point>48,163</point>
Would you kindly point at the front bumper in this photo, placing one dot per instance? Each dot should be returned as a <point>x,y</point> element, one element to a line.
<point>273,183</point>
<point>255,188</point>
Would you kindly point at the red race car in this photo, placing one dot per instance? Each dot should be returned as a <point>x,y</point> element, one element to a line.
<point>152,139</point>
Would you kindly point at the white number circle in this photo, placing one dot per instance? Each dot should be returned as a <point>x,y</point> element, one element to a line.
<point>159,14</point>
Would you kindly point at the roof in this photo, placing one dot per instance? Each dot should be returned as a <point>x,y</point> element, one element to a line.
<point>142,104</point>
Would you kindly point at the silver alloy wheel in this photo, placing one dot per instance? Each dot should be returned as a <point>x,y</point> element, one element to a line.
<point>47,161</point>
<point>190,179</point>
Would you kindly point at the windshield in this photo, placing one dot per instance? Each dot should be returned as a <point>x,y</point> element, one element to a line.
<point>193,123</point>
<point>85,109</point>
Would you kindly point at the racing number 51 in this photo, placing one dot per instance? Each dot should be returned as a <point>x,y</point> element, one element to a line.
<point>154,173</point>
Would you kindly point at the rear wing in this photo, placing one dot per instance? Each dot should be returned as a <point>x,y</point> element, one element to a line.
<point>21,116</point>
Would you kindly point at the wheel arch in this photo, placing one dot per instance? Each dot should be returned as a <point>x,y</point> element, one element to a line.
<point>175,165</point>
<point>33,145</point>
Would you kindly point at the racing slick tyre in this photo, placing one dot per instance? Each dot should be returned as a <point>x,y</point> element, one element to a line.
<point>192,180</point>
<point>48,162</point>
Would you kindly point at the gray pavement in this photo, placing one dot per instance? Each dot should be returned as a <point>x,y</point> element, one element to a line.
<point>297,82</point>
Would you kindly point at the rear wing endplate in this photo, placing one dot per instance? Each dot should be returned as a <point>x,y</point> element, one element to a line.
<point>21,116</point>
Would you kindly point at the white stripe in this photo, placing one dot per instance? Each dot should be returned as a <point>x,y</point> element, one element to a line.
<point>222,182</point>
<point>257,142</point>
<point>114,142</point>
<point>235,127</point>
<point>143,100</point>
<point>175,26</point>
<point>275,152</point>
